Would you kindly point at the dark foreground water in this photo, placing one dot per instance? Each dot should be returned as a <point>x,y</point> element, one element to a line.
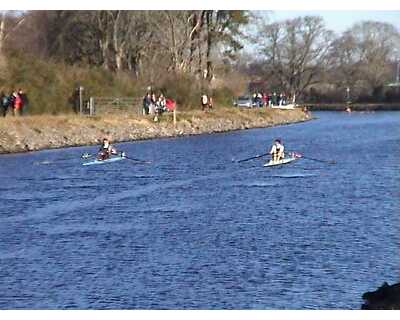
<point>195,230</point>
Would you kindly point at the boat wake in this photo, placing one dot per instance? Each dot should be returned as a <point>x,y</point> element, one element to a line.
<point>59,208</point>
<point>256,185</point>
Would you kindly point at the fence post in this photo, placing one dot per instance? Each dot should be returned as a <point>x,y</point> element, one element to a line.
<point>175,117</point>
<point>80,100</point>
<point>91,106</point>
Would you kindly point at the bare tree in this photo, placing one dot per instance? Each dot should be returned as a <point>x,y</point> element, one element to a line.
<point>295,51</point>
<point>145,43</point>
<point>9,23</point>
<point>361,57</point>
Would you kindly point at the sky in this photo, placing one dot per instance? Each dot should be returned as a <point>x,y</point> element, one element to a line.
<point>339,21</point>
<point>338,15</point>
<point>203,4</point>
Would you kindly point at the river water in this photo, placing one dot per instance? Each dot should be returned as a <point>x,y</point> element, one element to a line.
<point>197,230</point>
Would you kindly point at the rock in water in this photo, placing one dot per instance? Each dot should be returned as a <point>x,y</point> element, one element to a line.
<point>387,297</point>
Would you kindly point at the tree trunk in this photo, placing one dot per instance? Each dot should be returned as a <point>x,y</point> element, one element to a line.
<point>118,43</point>
<point>119,59</point>
<point>209,68</point>
<point>200,62</point>
<point>3,61</point>
<point>104,53</point>
<point>194,38</point>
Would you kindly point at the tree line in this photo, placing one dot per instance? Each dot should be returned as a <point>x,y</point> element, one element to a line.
<point>302,57</point>
<point>299,56</point>
<point>141,42</point>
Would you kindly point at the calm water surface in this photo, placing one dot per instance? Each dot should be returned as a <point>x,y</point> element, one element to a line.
<point>195,230</point>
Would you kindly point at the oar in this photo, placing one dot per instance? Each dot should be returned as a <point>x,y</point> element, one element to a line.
<point>53,161</point>
<point>255,157</point>
<point>319,160</point>
<point>137,160</point>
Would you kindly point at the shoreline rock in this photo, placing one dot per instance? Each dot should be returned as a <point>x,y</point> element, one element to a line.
<point>33,133</point>
<point>386,297</point>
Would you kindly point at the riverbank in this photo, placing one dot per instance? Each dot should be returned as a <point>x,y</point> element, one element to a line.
<point>45,132</point>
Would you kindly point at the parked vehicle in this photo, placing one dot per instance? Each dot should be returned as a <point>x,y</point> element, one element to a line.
<point>243,101</point>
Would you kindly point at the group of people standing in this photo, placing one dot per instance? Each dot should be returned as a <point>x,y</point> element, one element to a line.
<point>15,102</point>
<point>157,105</point>
<point>269,100</point>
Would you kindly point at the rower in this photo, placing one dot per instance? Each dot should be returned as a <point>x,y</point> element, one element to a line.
<point>277,151</point>
<point>106,150</point>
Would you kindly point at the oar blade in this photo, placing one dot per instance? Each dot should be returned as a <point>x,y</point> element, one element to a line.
<point>138,160</point>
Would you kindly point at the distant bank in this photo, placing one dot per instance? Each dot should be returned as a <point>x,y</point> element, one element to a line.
<point>353,106</point>
<point>45,132</point>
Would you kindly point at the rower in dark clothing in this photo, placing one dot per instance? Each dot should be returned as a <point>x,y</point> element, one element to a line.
<point>106,150</point>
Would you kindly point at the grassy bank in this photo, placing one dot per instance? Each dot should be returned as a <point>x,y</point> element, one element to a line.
<point>51,86</point>
<point>45,131</point>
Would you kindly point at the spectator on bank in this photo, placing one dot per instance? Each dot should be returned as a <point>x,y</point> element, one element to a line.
<point>278,99</point>
<point>204,101</point>
<point>146,103</point>
<point>24,99</point>
<point>5,102</point>
<point>274,99</point>
<point>160,104</point>
<point>153,98</point>
<point>259,100</point>
<point>265,99</point>
<point>210,103</point>
<point>270,99</point>
<point>17,105</point>
<point>254,99</point>
<point>152,105</point>
<point>11,105</point>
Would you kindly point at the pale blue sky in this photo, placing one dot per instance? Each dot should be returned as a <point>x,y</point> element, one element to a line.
<point>339,21</point>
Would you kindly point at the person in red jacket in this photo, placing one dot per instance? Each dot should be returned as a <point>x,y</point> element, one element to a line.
<point>17,104</point>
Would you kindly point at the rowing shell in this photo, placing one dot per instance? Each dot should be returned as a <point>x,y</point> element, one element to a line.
<point>113,159</point>
<point>280,162</point>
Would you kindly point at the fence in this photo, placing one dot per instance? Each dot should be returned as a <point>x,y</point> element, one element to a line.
<point>111,105</point>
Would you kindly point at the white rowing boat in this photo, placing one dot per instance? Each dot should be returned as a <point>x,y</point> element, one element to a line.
<point>272,163</point>
<point>112,159</point>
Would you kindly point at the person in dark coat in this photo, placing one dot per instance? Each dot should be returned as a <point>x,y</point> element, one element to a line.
<point>146,103</point>
<point>5,102</point>
<point>11,99</point>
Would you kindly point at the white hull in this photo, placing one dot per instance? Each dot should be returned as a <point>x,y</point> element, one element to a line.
<point>280,162</point>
